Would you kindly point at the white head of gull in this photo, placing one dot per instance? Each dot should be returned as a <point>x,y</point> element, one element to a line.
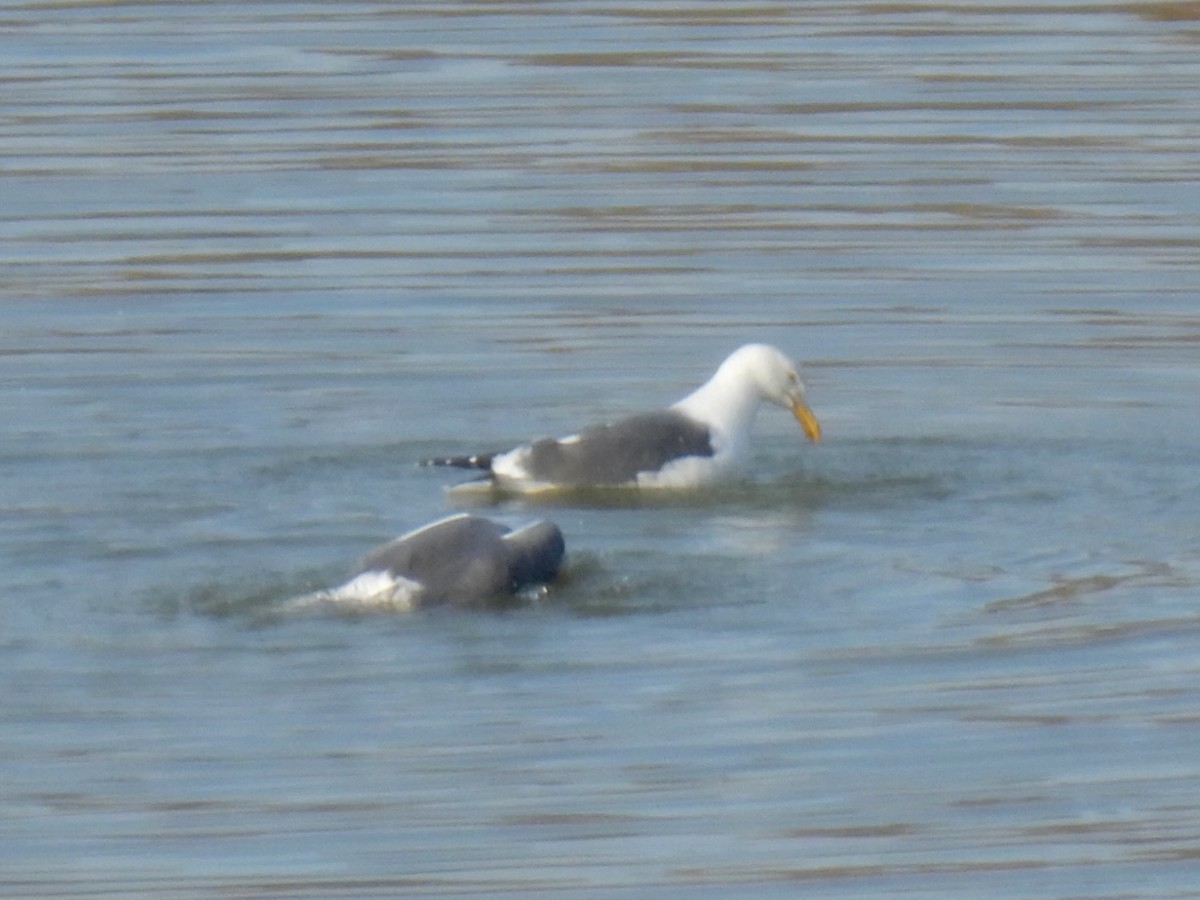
<point>729,401</point>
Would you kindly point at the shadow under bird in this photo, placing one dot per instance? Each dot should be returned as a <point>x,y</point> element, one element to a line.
<point>698,440</point>
<point>462,560</point>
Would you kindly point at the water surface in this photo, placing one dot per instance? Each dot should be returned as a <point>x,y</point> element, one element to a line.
<point>260,258</point>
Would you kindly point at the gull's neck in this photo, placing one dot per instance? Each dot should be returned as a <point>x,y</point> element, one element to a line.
<point>728,402</point>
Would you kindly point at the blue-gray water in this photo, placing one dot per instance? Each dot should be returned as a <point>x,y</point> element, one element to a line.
<point>258,258</point>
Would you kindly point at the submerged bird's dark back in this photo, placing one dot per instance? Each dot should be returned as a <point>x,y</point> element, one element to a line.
<point>614,453</point>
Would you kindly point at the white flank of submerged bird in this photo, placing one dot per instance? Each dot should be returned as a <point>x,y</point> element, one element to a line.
<point>703,437</point>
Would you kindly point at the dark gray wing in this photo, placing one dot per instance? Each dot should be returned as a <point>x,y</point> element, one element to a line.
<point>615,452</point>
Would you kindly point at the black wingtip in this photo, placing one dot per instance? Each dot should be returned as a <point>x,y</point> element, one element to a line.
<point>474,461</point>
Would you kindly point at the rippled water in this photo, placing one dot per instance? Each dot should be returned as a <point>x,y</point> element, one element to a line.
<point>259,258</point>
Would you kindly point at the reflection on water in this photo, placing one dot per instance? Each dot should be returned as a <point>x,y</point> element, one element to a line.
<point>260,259</point>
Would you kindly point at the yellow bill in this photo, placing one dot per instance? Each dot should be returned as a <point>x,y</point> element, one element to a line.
<point>804,415</point>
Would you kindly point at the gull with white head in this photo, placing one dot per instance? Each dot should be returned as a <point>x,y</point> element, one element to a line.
<point>698,440</point>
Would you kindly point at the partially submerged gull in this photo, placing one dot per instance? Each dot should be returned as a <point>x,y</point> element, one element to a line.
<point>462,560</point>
